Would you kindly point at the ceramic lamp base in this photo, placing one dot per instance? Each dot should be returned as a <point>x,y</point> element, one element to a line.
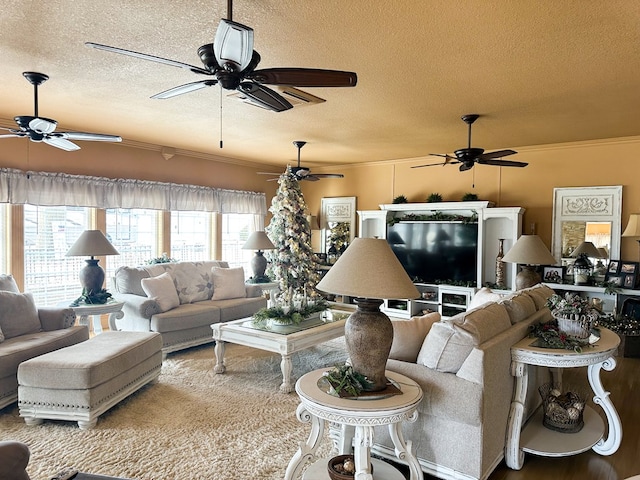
<point>527,277</point>
<point>92,276</point>
<point>368,335</point>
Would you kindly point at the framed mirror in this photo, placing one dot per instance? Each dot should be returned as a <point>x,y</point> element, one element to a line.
<point>591,214</point>
<point>338,224</point>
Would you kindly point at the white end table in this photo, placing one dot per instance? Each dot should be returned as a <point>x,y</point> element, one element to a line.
<point>352,423</point>
<point>84,310</point>
<point>271,288</point>
<point>537,439</point>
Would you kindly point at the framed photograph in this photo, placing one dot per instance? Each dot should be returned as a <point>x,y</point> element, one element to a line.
<point>553,274</point>
<point>629,280</point>
<point>613,266</point>
<point>617,280</point>
<point>628,267</point>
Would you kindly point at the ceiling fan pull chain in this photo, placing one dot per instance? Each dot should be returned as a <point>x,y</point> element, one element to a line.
<point>220,118</point>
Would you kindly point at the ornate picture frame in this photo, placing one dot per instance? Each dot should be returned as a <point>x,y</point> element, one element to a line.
<point>337,215</point>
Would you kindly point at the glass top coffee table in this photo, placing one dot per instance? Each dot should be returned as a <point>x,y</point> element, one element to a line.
<point>285,340</point>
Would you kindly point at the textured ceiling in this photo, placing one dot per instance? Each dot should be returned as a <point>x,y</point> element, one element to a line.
<point>539,72</point>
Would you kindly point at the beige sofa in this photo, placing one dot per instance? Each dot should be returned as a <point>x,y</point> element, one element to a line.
<point>27,332</point>
<point>463,366</point>
<point>181,300</point>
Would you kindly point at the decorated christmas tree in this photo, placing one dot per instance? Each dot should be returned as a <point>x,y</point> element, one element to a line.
<point>292,264</point>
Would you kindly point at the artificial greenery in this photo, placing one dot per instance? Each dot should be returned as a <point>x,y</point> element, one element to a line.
<point>434,198</point>
<point>164,258</point>
<point>469,197</point>
<point>550,336</point>
<point>611,288</point>
<point>90,297</point>
<point>259,279</point>
<point>437,216</point>
<point>621,324</point>
<point>343,378</point>
<point>400,199</point>
<point>287,315</point>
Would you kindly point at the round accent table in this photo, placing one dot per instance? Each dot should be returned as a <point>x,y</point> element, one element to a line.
<point>352,422</point>
<point>537,439</point>
<point>84,310</point>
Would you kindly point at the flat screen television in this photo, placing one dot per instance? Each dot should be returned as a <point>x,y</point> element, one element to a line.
<point>436,252</point>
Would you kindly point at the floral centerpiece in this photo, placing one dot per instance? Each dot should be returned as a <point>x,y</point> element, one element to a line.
<point>290,314</point>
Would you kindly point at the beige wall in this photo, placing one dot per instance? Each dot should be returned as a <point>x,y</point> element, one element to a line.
<point>607,162</point>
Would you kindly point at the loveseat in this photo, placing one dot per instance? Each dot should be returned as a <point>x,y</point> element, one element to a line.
<point>180,300</point>
<point>27,332</point>
<point>463,365</point>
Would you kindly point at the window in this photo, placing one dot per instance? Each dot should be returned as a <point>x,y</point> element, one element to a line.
<point>191,237</point>
<point>134,233</point>
<point>236,228</point>
<point>49,232</point>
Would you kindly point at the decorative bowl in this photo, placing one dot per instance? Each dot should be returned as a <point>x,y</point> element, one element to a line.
<point>335,473</point>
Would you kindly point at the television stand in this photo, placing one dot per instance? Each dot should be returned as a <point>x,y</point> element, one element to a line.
<point>448,300</point>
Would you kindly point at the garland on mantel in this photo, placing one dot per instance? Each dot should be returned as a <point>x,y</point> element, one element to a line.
<point>435,217</point>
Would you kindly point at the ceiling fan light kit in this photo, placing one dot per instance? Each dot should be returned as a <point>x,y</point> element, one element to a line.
<point>469,156</point>
<point>41,129</point>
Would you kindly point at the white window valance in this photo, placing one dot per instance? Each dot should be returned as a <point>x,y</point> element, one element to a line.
<point>46,188</point>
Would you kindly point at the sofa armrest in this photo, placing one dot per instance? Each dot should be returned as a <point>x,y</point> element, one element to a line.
<point>253,291</point>
<point>138,306</point>
<point>56,318</point>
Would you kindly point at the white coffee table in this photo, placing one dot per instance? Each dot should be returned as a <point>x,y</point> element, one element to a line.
<point>284,340</point>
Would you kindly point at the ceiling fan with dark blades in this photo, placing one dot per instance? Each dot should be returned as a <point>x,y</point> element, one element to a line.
<point>41,129</point>
<point>302,173</point>
<point>468,157</point>
<point>231,62</point>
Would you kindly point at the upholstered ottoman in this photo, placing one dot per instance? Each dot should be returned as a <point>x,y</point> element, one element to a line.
<point>82,381</point>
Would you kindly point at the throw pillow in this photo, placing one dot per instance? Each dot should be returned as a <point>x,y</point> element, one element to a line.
<point>483,296</point>
<point>193,281</point>
<point>539,294</point>
<point>408,336</point>
<point>162,290</point>
<point>18,314</point>
<point>228,283</point>
<point>519,306</point>
<point>449,343</point>
<point>8,283</point>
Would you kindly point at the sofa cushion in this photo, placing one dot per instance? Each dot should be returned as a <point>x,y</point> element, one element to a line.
<point>193,281</point>
<point>1,336</point>
<point>8,283</point>
<point>448,343</point>
<point>519,306</point>
<point>18,315</point>
<point>162,290</point>
<point>408,336</point>
<point>129,280</point>
<point>539,294</point>
<point>228,283</point>
<point>483,296</point>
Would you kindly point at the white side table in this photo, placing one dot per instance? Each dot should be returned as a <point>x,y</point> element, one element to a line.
<point>537,439</point>
<point>84,310</point>
<point>353,421</point>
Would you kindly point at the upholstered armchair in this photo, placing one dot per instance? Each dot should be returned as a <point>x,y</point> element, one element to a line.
<point>14,457</point>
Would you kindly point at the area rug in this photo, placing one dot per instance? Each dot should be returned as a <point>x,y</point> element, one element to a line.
<point>191,424</point>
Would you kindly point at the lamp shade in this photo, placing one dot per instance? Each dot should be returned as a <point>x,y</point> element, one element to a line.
<point>529,250</point>
<point>603,252</point>
<point>586,248</point>
<point>633,226</point>
<point>92,243</point>
<point>258,241</point>
<point>368,268</point>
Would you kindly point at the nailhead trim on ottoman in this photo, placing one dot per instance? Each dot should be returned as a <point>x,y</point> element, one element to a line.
<point>82,381</point>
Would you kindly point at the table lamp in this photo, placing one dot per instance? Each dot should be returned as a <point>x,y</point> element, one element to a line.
<point>259,241</point>
<point>369,271</point>
<point>583,267</point>
<point>529,251</point>
<point>633,228</point>
<point>92,243</point>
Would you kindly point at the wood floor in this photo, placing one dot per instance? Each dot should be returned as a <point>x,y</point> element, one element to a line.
<point>624,385</point>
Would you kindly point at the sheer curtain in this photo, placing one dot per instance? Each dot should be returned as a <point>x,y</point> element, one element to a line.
<point>45,188</point>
